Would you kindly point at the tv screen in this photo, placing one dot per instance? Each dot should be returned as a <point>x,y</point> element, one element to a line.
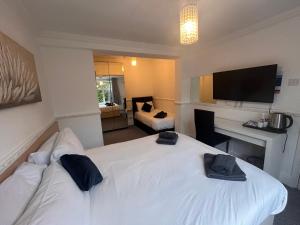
<point>255,84</point>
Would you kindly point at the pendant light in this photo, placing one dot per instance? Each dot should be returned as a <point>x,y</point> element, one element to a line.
<point>189,22</point>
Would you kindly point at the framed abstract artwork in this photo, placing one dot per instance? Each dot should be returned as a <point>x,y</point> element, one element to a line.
<point>18,76</point>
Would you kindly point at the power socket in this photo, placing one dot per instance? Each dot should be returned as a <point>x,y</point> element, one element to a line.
<point>293,82</point>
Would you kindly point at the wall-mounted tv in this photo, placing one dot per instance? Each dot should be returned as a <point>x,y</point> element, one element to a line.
<point>255,84</point>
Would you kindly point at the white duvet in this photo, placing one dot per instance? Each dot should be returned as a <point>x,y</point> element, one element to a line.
<point>155,123</point>
<point>150,184</point>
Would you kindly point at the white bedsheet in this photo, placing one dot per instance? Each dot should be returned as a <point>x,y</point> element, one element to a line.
<point>150,184</point>
<point>155,123</point>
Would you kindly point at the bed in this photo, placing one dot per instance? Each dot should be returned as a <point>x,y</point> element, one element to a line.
<point>158,184</point>
<point>146,183</point>
<point>147,122</point>
<point>109,111</point>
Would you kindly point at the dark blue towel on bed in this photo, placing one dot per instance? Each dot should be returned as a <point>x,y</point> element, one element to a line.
<point>167,141</point>
<point>161,115</point>
<point>168,135</point>
<point>223,164</point>
<point>236,175</point>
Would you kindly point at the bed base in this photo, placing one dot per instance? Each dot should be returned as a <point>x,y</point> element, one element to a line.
<point>268,221</point>
<point>149,130</point>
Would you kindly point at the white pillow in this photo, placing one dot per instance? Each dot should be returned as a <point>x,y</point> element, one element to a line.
<point>17,190</point>
<point>58,201</point>
<point>42,156</point>
<point>67,143</point>
<point>140,105</point>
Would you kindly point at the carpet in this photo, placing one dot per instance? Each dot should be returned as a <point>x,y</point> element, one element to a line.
<point>122,135</point>
<point>291,214</point>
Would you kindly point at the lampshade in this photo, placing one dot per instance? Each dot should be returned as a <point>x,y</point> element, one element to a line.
<point>189,24</point>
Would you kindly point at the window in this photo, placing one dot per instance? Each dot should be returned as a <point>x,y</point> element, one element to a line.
<point>103,87</point>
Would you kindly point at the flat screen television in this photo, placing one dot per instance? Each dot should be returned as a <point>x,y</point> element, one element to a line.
<point>255,84</point>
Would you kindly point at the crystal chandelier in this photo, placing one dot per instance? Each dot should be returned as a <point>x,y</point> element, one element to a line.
<point>189,23</point>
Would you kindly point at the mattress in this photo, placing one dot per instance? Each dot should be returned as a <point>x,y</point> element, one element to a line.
<point>155,123</point>
<point>146,183</point>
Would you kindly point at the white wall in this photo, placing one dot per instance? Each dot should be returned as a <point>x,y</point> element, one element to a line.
<point>164,84</point>
<point>138,79</point>
<point>151,77</point>
<point>279,44</point>
<point>72,88</point>
<point>21,125</point>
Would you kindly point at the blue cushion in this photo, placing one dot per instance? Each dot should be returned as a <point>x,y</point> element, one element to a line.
<point>83,171</point>
<point>146,107</point>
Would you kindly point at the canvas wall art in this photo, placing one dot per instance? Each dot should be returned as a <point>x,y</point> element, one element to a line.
<point>18,76</point>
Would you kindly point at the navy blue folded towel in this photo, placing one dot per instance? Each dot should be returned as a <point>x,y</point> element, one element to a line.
<point>167,139</point>
<point>161,115</point>
<point>223,164</point>
<point>167,135</point>
<point>236,175</point>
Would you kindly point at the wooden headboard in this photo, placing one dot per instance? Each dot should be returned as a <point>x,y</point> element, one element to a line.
<point>32,148</point>
<point>140,99</point>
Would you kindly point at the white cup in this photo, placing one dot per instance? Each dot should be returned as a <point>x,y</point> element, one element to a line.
<point>260,124</point>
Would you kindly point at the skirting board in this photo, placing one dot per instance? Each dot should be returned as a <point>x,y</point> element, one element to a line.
<point>269,221</point>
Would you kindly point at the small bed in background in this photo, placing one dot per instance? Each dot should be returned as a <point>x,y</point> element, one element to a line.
<point>109,111</point>
<point>146,120</point>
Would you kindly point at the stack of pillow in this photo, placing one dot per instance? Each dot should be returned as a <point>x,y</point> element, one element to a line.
<point>51,188</point>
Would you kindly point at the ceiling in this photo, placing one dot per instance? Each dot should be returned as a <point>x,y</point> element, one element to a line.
<point>152,21</point>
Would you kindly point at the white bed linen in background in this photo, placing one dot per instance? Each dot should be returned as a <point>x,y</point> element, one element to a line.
<point>42,156</point>
<point>155,123</point>
<point>148,184</point>
<point>67,143</point>
<point>17,191</point>
<point>58,201</point>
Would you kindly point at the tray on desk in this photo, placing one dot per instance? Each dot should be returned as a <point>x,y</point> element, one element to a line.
<point>268,129</point>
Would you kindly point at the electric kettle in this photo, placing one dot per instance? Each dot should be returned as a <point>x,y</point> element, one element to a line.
<point>278,121</point>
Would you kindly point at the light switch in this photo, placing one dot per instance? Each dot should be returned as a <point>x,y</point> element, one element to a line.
<point>293,82</point>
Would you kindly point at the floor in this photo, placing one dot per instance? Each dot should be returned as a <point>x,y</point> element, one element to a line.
<point>291,214</point>
<point>122,135</point>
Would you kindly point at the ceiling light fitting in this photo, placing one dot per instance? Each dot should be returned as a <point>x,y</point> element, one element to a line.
<point>189,22</point>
